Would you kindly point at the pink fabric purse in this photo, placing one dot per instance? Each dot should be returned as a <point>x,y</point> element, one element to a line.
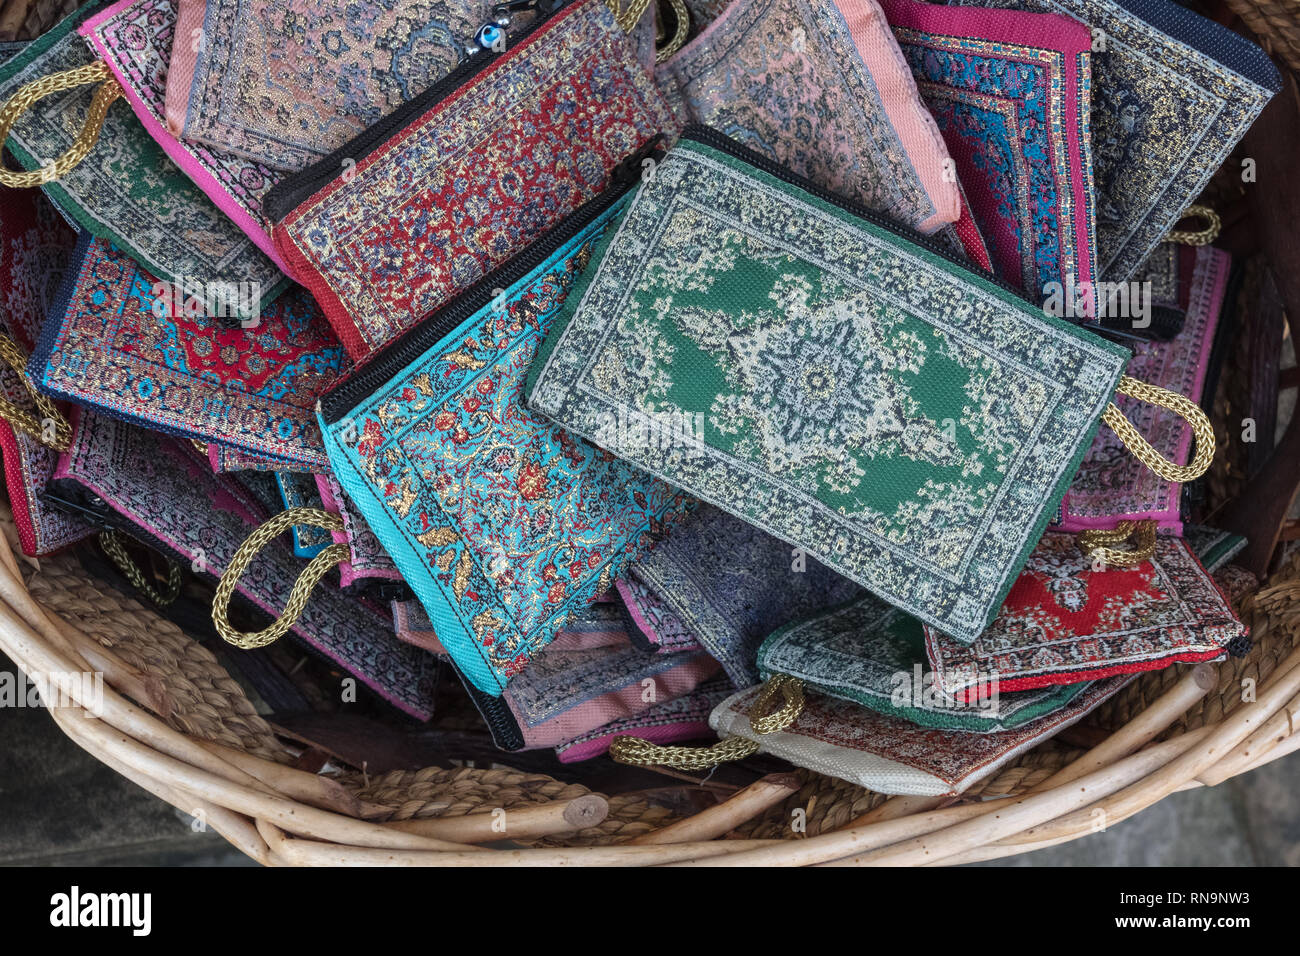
<point>1111,485</point>
<point>1010,92</point>
<point>820,87</point>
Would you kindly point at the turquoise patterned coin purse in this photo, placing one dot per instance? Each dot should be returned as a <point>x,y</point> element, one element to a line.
<point>502,522</point>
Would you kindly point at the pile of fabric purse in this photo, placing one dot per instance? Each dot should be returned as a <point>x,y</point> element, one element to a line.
<point>822,375</point>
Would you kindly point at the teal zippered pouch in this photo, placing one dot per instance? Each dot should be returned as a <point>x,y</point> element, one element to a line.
<point>825,375</point>
<point>501,522</point>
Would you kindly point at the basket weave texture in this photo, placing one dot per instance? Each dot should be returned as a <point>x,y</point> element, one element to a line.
<point>174,721</point>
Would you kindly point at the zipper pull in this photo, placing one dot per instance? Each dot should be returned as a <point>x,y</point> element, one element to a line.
<point>630,169</point>
<point>492,35</point>
<point>92,517</point>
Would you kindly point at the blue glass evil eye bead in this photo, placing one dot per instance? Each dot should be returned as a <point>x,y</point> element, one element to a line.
<point>489,36</point>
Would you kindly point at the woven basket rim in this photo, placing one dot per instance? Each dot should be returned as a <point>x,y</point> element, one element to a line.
<point>282,816</point>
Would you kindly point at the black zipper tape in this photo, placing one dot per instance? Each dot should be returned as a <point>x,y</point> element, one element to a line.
<point>506,733</point>
<point>287,194</point>
<point>406,348</point>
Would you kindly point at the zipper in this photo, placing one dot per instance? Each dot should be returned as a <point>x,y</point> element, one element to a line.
<point>382,592</point>
<point>436,325</point>
<point>95,511</point>
<point>710,137</point>
<point>506,733</point>
<point>90,513</point>
<point>290,192</point>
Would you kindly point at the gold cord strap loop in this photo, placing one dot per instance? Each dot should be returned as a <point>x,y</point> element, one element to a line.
<point>52,429</point>
<point>112,543</point>
<point>29,93</point>
<point>1198,237</point>
<point>1202,431</point>
<point>1100,543</point>
<point>642,753</point>
<point>682,30</point>
<point>316,569</point>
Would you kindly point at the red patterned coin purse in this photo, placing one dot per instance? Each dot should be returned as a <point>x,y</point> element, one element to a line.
<point>139,349</point>
<point>395,223</point>
<point>1064,621</point>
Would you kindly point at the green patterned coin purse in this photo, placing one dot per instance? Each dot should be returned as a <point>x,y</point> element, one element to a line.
<point>872,654</point>
<point>836,381</point>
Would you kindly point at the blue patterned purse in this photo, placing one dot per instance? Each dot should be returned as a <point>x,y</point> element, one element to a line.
<point>1173,93</point>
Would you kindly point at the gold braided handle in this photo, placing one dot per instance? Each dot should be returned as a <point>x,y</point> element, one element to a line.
<point>642,753</point>
<point>627,17</point>
<point>1202,431</point>
<point>316,569</point>
<point>112,543</point>
<point>29,93</point>
<point>1198,237</point>
<point>1099,543</point>
<point>52,430</point>
<point>683,17</point>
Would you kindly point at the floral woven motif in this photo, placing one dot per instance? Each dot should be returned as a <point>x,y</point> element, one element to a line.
<point>467,181</point>
<point>1173,94</point>
<point>1113,485</point>
<point>1010,91</point>
<point>890,755</point>
<point>126,344</point>
<point>732,584</point>
<point>795,365</point>
<point>822,88</point>
<point>135,38</point>
<point>650,621</point>
<point>872,654</point>
<point>127,191</point>
<point>164,490</point>
<point>683,718</point>
<point>501,522</point>
<point>287,82</point>
<point>1065,622</point>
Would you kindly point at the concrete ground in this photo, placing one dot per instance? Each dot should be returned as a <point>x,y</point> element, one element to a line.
<point>59,806</point>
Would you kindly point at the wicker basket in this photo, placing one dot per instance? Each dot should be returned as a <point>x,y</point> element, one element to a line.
<point>174,721</point>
